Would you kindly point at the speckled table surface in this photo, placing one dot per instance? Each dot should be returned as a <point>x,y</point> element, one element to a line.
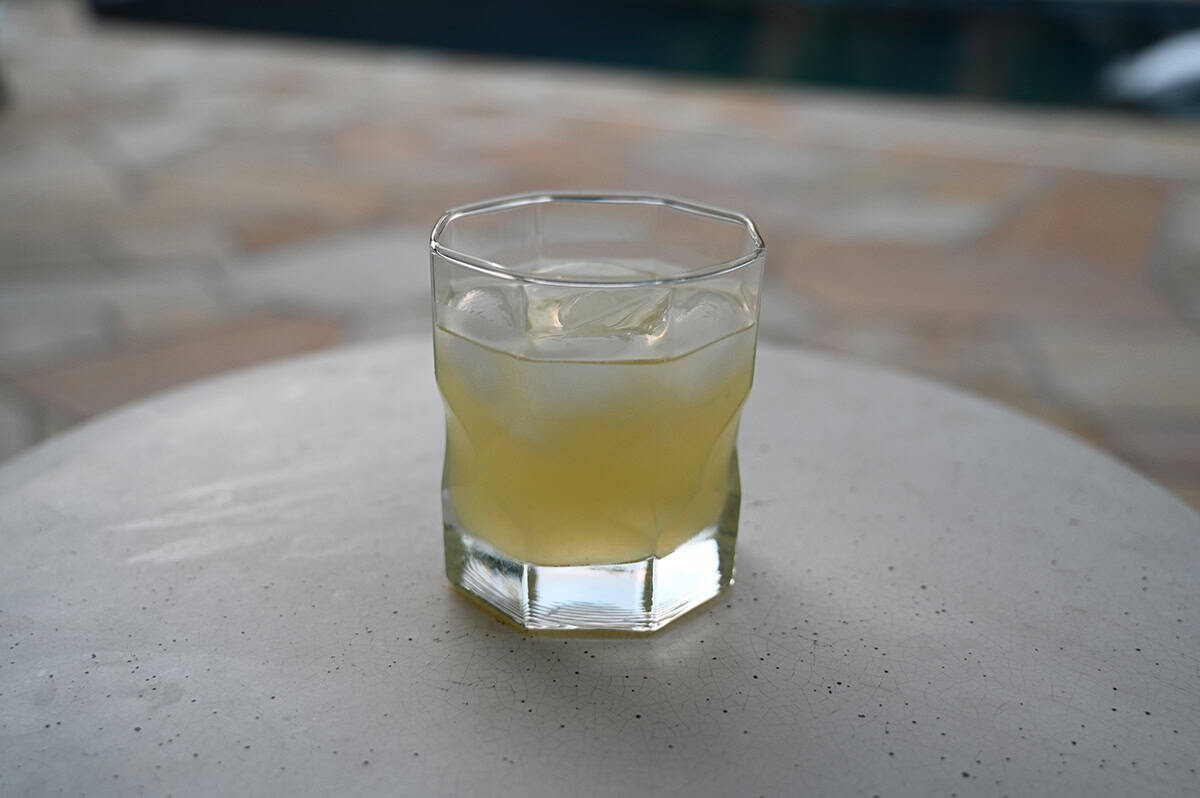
<point>236,588</point>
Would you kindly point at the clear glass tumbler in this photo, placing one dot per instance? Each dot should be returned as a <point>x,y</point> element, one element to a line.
<point>593,353</point>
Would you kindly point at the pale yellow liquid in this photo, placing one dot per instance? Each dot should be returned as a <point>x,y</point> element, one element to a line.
<point>573,463</point>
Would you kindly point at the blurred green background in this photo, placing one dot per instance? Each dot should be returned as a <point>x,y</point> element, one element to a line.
<point>1048,52</point>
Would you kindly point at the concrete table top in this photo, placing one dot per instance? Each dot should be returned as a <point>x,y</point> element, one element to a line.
<point>237,589</point>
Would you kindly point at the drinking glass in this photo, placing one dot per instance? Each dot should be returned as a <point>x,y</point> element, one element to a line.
<point>593,353</point>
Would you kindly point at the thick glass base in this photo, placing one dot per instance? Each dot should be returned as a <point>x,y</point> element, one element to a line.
<point>638,596</point>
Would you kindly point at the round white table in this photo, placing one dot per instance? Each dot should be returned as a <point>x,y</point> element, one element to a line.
<point>236,589</point>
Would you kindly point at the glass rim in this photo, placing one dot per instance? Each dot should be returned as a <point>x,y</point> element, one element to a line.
<point>494,269</point>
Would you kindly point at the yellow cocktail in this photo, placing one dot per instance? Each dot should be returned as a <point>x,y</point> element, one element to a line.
<point>593,354</point>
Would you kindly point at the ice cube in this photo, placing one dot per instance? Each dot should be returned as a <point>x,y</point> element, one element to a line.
<point>491,314</point>
<point>578,312</point>
<point>713,328</point>
<point>588,312</point>
<point>699,315</point>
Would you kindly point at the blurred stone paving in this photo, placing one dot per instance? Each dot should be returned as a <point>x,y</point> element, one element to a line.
<point>176,203</point>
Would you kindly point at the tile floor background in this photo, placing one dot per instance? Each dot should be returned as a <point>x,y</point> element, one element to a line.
<point>177,203</point>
